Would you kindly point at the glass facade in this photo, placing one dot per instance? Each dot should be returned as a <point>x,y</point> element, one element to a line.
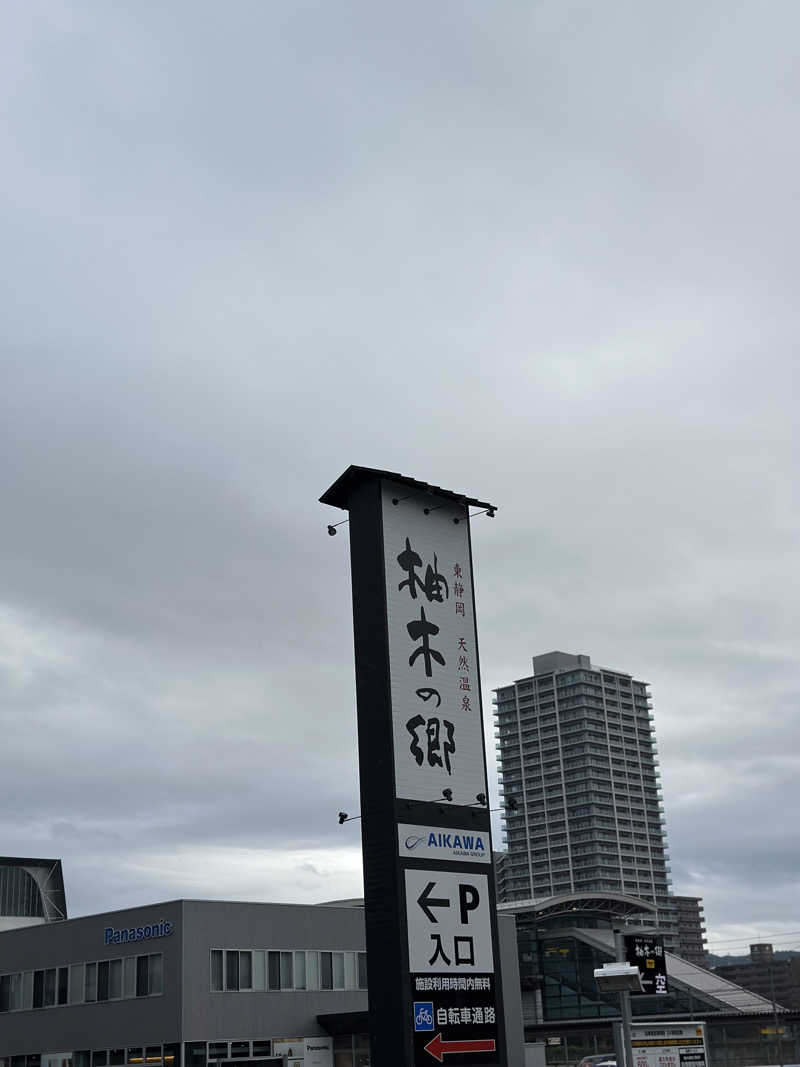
<point>19,894</point>
<point>560,971</point>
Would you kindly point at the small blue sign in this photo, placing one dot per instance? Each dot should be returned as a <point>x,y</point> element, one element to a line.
<point>423,1014</point>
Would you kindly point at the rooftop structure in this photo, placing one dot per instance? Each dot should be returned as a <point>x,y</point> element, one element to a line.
<point>31,892</point>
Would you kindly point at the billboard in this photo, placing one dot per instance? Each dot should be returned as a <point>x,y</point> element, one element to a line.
<point>674,1045</point>
<point>646,951</point>
<point>436,709</point>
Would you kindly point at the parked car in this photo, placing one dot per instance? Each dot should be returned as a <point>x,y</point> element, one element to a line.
<point>600,1059</point>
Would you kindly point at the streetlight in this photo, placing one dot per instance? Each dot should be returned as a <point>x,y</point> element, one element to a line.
<point>622,978</point>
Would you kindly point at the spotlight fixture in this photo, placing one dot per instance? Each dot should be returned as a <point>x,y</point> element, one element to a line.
<point>343,816</point>
<point>447,794</point>
<point>481,798</point>
<point>332,531</point>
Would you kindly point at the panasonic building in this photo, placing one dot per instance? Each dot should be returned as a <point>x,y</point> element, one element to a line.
<point>199,983</point>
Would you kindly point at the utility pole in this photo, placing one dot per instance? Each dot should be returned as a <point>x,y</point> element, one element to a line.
<point>625,1005</point>
<point>778,1041</point>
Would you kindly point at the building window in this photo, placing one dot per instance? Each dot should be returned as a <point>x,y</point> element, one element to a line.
<point>129,977</point>
<point>273,970</point>
<point>276,970</point>
<point>62,992</point>
<point>245,970</point>
<point>216,970</point>
<point>259,971</point>
<point>89,984</point>
<point>338,970</point>
<point>102,980</point>
<point>300,970</point>
<point>232,970</point>
<point>155,970</point>
<point>114,980</point>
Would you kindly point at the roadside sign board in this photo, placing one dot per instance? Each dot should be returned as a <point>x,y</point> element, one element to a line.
<point>455,1017</point>
<point>449,923</point>
<point>646,951</point>
<point>429,898</point>
<point>673,1045</point>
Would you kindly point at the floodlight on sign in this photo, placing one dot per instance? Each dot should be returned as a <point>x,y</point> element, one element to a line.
<point>618,978</point>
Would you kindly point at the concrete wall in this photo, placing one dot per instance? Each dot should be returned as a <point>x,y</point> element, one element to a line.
<point>512,999</point>
<point>224,925</point>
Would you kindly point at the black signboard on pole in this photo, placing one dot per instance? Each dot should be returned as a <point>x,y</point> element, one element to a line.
<point>431,922</point>
<point>646,951</point>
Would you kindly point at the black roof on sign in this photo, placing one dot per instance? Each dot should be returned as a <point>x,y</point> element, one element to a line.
<point>338,495</point>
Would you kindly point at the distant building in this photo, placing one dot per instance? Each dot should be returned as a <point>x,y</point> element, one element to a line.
<point>500,863</point>
<point>578,756</point>
<point>31,892</point>
<point>690,933</point>
<point>767,976</point>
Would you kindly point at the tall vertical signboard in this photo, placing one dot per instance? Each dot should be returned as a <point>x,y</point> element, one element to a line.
<point>646,951</point>
<point>432,951</point>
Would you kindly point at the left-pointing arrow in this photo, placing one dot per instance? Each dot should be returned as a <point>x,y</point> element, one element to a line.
<point>426,902</point>
<point>439,1048</point>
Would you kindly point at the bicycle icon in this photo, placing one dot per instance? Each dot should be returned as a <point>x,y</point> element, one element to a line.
<point>423,1015</point>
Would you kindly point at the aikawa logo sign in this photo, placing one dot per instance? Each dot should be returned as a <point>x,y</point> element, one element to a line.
<point>437,842</point>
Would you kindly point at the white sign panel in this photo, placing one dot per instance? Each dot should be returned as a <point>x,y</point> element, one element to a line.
<point>318,1051</point>
<point>442,843</point>
<point>449,923</point>
<point>291,1047</point>
<point>436,705</point>
<point>675,1045</point>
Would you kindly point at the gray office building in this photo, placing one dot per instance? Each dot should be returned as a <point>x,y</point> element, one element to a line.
<point>200,984</point>
<point>578,755</point>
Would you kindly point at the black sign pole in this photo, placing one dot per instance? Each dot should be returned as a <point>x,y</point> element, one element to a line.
<point>387,952</point>
<point>436,904</point>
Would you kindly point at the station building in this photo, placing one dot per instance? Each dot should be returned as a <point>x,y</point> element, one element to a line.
<point>563,939</point>
<point>191,983</point>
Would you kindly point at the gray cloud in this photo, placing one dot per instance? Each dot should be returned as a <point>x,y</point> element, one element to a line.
<point>534,252</point>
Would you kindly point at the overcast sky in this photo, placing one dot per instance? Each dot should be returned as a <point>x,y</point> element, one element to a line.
<point>545,253</point>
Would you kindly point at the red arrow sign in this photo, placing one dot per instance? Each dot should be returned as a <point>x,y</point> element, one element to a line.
<point>439,1048</point>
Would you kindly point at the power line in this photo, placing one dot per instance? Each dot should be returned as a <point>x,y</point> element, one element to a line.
<point>751,939</point>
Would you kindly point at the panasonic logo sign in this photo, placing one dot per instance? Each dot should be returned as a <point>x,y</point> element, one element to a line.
<point>125,935</point>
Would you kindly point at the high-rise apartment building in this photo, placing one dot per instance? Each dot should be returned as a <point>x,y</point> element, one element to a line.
<point>690,930</point>
<point>578,755</point>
